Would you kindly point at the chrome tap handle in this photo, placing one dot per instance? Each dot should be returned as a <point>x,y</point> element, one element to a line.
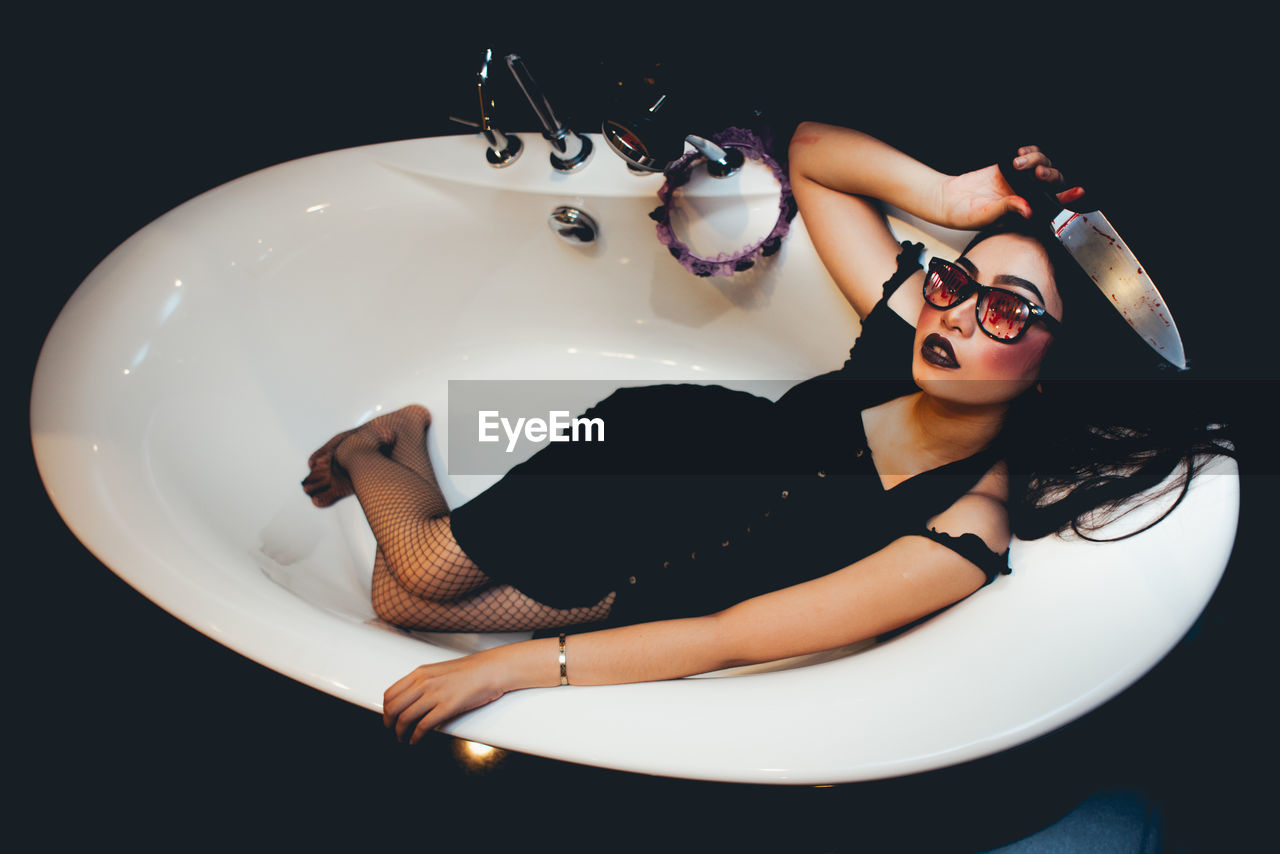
<point>551,126</point>
<point>570,150</point>
<point>504,148</point>
<point>721,162</point>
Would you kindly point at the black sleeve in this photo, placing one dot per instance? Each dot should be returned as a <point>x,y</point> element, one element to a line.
<point>972,548</point>
<point>879,362</point>
<point>883,348</point>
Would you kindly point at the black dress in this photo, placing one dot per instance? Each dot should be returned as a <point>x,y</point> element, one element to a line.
<point>702,496</point>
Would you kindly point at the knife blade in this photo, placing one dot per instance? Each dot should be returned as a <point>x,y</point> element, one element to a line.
<point>1094,244</point>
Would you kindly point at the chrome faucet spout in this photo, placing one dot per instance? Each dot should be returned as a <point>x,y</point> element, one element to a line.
<point>651,143</point>
<point>570,150</point>
<point>504,148</point>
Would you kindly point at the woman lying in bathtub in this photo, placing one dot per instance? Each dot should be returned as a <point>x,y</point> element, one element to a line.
<point>746,530</point>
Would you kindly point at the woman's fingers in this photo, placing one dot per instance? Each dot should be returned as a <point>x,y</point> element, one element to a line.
<point>419,712</point>
<point>407,681</point>
<point>415,713</point>
<point>403,709</point>
<point>392,711</point>
<point>1066,197</point>
<point>1032,160</point>
<point>1031,157</point>
<point>435,716</point>
<point>422,701</point>
<point>1018,205</point>
<point>1039,165</point>
<point>435,693</point>
<point>401,696</point>
<point>1049,175</point>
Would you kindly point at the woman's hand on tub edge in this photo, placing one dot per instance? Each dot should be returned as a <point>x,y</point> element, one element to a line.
<point>978,198</point>
<point>433,694</point>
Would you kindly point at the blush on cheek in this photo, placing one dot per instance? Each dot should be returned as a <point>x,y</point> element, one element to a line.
<point>1014,361</point>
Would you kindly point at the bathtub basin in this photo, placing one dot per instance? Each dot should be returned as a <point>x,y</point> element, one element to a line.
<point>184,384</point>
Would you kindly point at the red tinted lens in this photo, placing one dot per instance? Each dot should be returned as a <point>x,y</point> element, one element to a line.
<point>1003,315</point>
<point>944,284</point>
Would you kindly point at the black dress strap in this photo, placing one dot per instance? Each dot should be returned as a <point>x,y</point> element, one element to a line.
<point>908,263</point>
<point>972,548</point>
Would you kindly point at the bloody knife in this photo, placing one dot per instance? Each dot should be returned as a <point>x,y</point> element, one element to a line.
<point>1100,252</point>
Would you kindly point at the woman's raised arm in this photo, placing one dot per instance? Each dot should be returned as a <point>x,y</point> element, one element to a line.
<point>836,174</point>
<point>910,578</point>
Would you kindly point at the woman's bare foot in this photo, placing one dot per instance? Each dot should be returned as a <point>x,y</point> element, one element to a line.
<point>328,482</point>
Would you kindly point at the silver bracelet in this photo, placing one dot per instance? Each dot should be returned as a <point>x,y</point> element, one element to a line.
<point>564,669</point>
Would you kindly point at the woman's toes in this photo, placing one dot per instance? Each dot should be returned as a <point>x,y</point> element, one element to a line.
<point>324,499</point>
<point>326,484</point>
<point>325,451</point>
<point>316,482</point>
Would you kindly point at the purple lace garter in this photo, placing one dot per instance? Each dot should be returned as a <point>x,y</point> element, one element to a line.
<point>724,264</point>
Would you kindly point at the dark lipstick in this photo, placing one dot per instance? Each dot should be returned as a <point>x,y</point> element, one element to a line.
<point>936,350</point>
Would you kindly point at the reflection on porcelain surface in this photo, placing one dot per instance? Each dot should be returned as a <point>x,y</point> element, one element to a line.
<point>186,381</point>
<point>715,216</point>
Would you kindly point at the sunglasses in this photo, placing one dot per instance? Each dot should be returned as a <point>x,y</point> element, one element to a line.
<point>1002,315</point>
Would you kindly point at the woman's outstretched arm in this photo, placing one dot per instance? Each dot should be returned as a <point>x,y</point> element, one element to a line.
<point>910,578</point>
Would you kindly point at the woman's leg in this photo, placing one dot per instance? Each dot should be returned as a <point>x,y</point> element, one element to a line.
<point>328,483</point>
<point>496,608</point>
<point>422,579</point>
<point>386,463</point>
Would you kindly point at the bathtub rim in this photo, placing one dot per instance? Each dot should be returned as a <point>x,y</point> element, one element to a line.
<point>476,725</point>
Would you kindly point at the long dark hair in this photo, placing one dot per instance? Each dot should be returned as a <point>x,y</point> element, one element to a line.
<point>1107,422</point>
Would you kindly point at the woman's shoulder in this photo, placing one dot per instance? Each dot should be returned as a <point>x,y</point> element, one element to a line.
<point>994,484</point>
<point>976,525</point>
<point>889,328</point>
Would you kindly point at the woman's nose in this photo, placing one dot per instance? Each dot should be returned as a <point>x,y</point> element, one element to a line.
<point>960,316</point>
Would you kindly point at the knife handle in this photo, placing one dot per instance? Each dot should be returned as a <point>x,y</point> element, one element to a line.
<point>1044,202</point>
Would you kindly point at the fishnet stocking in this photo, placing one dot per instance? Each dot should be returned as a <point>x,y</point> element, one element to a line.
<point>421,578</point>
<point>496,608</point>
<point>405,508</point>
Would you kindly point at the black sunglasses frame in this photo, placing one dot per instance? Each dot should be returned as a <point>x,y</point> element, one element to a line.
<point>973,286</point>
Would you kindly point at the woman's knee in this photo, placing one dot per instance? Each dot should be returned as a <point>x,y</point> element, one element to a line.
<point>436,568</point>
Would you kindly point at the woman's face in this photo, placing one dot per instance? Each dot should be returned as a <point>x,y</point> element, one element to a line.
<point>980,370</point>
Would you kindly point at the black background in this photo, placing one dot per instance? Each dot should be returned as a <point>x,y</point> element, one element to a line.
<point>129,725</point>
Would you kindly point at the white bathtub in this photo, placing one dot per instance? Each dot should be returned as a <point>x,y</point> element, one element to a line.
<point>183,386</point>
